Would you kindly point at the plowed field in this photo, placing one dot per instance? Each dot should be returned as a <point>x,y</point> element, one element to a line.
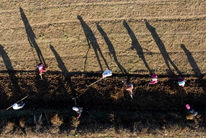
<point>78,40</point>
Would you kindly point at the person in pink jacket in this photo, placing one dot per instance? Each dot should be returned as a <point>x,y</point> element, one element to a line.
<point>154,79</point>
<point>191,110</point>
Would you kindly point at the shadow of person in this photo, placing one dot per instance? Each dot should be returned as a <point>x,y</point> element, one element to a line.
<point>111,48</point>
<point>194,66</point>
<point>136,45</point>
<point>60,62</point>
<point>92,40</point>
<point>64,70</point>
<point>31,37</point>
<point>15,88</point>
<point>162,48</point>
<point>192,61</point>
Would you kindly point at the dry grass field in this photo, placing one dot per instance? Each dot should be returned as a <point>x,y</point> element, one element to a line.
<point>96,35</point>
<point>78,40</point>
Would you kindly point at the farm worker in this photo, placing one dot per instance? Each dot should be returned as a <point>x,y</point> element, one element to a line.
<point>191,110</point>
<point>181,81</point>
<point>154,79</point>
<point>129,88</point>
<point>79,110</point>
<point>17,106</point>
<point>42,68</point>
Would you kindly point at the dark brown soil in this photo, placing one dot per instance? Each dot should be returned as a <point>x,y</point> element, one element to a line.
<point>106,103</point>
<point>57,90</point>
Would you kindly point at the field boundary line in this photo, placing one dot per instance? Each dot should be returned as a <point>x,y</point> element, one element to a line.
<point>94,74</point>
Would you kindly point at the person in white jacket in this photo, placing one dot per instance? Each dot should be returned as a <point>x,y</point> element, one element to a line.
<point>79,110</point>
<point>181,81</point>
<point>17,106</point>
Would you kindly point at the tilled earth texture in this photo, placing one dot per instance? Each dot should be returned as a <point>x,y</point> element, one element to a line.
<point>79,39</point>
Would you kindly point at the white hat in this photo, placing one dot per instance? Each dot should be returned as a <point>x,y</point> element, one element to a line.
<point>75,108</point>
<point>154,79</point>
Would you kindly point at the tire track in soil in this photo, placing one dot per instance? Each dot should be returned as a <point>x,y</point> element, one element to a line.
<point>111,35</point>
<point>153,18</point>
<point>61,34</point>
<point>92,3</point>
<point>154,2</point>
<point>62,13</point>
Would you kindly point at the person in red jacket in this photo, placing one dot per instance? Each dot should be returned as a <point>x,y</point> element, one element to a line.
<point>42,68</point>
<point>129,88</point>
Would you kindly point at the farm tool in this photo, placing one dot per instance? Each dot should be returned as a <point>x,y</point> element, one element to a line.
<point>17,102</point>
<point>105,74</point>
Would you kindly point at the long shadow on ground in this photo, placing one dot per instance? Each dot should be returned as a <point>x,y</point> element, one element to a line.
<point>162,48</point>
<point>92,40</point>
<point>136,45</point>
<point>31,37</point>
<point>14,80</point>
<point>192,61</point>
<point>111,49</point>
<point>194,66</point>
<point>64,71</point>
